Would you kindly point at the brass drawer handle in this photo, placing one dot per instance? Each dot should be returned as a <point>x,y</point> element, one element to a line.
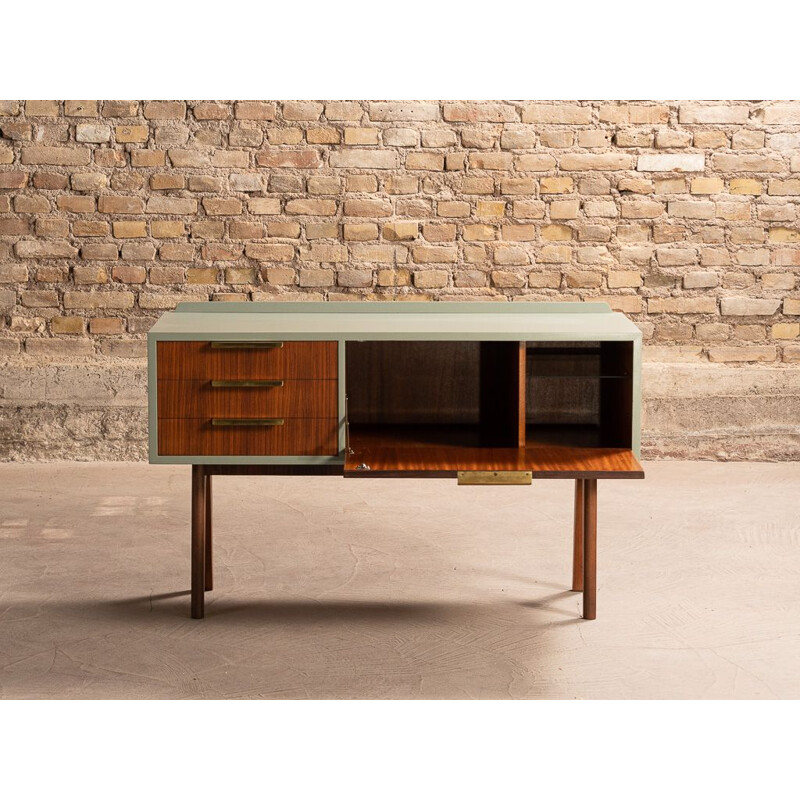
<point>244,384</point>
<point>246,345</point>
<point>239,423</point>
<point>478,477</point>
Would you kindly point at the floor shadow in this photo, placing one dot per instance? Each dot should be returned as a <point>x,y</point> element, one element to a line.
<point>545,603</point>
<point>174,606</point>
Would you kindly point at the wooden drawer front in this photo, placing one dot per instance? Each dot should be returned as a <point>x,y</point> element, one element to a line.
<point>296,437</point>
<point>195,360</point>
<point>200,399</point>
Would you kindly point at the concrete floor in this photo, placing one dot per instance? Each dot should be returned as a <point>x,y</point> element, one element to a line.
<point>333,588</point>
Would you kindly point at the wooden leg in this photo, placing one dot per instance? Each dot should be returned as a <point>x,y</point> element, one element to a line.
<point>209,531</point>
<point>577,539</point>
<point>590,548</point>
<point>198,540</point>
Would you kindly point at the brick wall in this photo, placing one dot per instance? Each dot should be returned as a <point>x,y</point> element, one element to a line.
<point>681,214</point>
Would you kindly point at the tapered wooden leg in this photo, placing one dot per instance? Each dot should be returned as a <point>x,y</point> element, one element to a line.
<point>577,539</point>
<point>209,531</point>
<point>590,549</point>
<point>198,540</point>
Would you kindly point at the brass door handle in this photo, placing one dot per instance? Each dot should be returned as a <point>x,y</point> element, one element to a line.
<point>246,345</point>
<point>240,423</point>
<point>245,384</point>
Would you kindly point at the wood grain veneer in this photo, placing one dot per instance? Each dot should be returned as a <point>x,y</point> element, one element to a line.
<point>199,399</point>
<point>297,436</point>
<point>441,451</point>
<point>198,360</point>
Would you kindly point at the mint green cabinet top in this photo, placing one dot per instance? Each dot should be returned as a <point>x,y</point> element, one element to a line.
<point>396,320</point>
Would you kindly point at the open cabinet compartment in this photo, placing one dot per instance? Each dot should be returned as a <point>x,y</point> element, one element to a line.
<point>433,406</point>
<point>579,394</point>
<point>432,409</point>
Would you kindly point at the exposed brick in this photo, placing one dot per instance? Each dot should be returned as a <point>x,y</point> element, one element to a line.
<point>403,112</point>
<point>56,156</point>
<point>480,112</point>
<point>596,161</point>
<point>713,114</point>
<point>765,353</point>
<point>725,162</point>
<point>255,110</point>
<point>297,159</point>
<point>211,111</point>
<point>782,114</point>
<point>131,134</point>
<point>749,306</point>
<point>41,108</point>
<point>129,229</point>
<point>671,162</point>
<point>561,114</point>
<point>165,109</point>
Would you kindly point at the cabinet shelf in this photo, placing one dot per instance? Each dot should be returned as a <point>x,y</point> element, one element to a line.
<point>441,451</point>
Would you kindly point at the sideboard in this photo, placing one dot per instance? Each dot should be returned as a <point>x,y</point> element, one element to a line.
<point>485,393</point>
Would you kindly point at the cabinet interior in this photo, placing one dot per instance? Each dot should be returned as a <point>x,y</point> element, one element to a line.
<point>494,394</point>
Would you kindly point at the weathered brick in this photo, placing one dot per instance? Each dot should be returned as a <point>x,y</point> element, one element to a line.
<point>132,229</point>
<point>99,251</point>
<point>403,112</point>
<point>682,305</point>
<point>713,114</point>
<point>480,112</point>
<point>93,132</point>
<point>41,108</point>
<point>297,159</point>
<point>400,231</point>
<point>165,109</point>
<point>148,158</point>
<point>131,134</point>
<point>326,184</point>
<point>56,156</point>
<point>367,208</point>
<point>561,114</point>
<point>749,306</point>
<point>671,162</point>
<point>120,108</point>
<point>707,185</point>
<point>210,111</point>
<point>765,353</point>
<point>176,251</point>
<point>691,209</point>
<point>781,234</point>
<point>491,161</point>
<point>255,110</point>
<point>45,180</point>
<point>782,114</point>
<point>171,205</point>
<point>316,207</point>
<point>45,249</point>
<point>725,162</point>
<point>170,229</point>
<point>596,161</point>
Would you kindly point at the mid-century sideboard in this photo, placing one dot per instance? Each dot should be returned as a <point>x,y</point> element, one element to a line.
<point>485,393</point>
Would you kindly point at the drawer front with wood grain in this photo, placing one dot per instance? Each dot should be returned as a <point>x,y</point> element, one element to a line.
<point>246,360</point>
<point>222,436</point>
<point>202,399</point>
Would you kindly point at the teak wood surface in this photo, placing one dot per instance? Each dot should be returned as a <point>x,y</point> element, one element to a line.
<point>199,399</point>
<point>197,360</point>
<point>296,436</point>
<point>417,451</point>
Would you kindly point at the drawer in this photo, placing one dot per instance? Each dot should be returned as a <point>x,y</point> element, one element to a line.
<point>243,360</point>
<point>295,437</point>
<point>220,398</point>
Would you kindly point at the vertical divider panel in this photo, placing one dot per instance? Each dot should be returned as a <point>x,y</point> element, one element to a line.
<point>502,394</point>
